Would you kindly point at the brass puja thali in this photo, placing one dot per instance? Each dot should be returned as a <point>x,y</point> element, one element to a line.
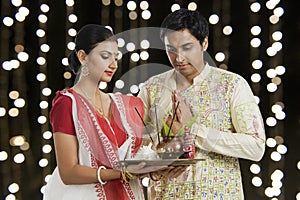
<point>161,162</point>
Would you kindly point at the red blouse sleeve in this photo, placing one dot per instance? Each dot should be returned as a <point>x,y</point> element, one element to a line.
<point>61,115</point>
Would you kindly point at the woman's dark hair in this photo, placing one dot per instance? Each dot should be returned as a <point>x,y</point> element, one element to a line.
<point>88,38</point>
<point>182,19</point>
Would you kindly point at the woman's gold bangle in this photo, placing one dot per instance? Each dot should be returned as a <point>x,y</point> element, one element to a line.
<point>127,176</point>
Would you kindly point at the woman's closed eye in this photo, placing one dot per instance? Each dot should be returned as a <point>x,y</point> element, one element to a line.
<point>105,56</point>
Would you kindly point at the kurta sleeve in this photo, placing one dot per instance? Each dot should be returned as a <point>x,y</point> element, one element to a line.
<point>248,137</point>
<point>145,99</point>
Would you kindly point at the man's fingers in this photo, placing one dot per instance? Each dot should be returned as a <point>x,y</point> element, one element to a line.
<point>133,168</point>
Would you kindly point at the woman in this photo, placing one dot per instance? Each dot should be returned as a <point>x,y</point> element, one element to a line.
<point>94,130</point>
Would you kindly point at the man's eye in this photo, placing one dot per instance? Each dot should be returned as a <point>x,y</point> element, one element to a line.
<point>186,48</point>
<point>171,49</point>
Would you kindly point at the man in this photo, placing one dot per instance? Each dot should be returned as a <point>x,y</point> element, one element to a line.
<point>217,105</point>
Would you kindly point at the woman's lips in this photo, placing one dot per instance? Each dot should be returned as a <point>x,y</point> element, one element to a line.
<point>109,73</point>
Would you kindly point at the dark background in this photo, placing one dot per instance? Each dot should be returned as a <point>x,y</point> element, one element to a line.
<point>30,176</point>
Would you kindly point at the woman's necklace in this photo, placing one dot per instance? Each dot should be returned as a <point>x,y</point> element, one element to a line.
<point>100,109</point>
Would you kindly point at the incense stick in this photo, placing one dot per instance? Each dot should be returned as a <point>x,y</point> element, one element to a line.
<point>143,123</point>
<point>157,129</point>
<point>172,121</point>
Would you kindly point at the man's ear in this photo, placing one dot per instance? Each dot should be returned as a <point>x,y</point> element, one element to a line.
<point>81,55</point>
<point>205,43</point>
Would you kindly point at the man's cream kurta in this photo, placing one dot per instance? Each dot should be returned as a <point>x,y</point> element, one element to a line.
<point>228,125</point>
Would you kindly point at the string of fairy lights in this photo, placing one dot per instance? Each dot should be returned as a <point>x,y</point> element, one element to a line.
<point>16,141</point>
<point>274,70</point>
<point>270,68</point>
<point>43,119</point>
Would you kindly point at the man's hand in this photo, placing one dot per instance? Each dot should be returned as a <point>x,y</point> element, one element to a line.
<point>141,168</point>
<point>172,171</point>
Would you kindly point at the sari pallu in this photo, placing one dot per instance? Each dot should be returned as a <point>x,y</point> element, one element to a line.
<point>97,148</point>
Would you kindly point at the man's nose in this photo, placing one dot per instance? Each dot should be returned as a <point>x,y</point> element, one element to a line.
<point>179,57</point>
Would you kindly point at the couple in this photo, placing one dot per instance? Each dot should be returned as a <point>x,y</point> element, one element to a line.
<point>94,130</point>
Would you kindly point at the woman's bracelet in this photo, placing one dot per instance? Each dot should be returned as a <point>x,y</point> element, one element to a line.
<point>98,175</point>
<point>126,176</point>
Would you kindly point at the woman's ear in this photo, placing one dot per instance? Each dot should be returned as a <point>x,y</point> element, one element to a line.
<point>81,55</point>
<point>205,43</point>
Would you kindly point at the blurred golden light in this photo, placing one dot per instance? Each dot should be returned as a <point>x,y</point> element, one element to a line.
<point>44,8</point>
<point>13,188</point>
<point>43,162</point>
<point>227,30</point>
<point>25,146</point>
<point>45,48</point>
<point>119,84</point>
<point>146,14</point>
<point>72,18</point>
<point>47,135</point>
<point>72,32</point>
<point>2,111</point>
<point>16,3</point>
<point>42,119</point>
<point>255,78</point>
<point>19,48</point>
<point>70,3</point>
<point>118,2</point>
<point>13,112</point>
<point>213,19</point>
<point>257,64</point>
<point>271,121</point>
<point>3,155</point>
<point>13,94</point>
<point>132,15</point>
<point>8,21</point>
<point>67,75</point>
<point>131,5</point>
<point>19,103</point>
<point>255,42</point>
<point>192,6</point>
<point>255,7</point>
<point>41,60</point>
<point>102,85</point>
<point>41,77</point>
<point>175,7</point>
<point>42,18</point>
<point>19,158</point>
<point>46,92</point>
<point>256,181</point>
<point>23,56</point>
<point>17,140</point>
<point>279,139</point>
<point>276,80</point>
<point>43,104</point>
<point>144,5</point>
<point>271,87</point>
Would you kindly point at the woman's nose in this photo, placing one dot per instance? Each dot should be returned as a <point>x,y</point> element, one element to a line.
<point>114,64</point>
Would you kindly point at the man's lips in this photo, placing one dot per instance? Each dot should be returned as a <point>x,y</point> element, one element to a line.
<point>181,66</point>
